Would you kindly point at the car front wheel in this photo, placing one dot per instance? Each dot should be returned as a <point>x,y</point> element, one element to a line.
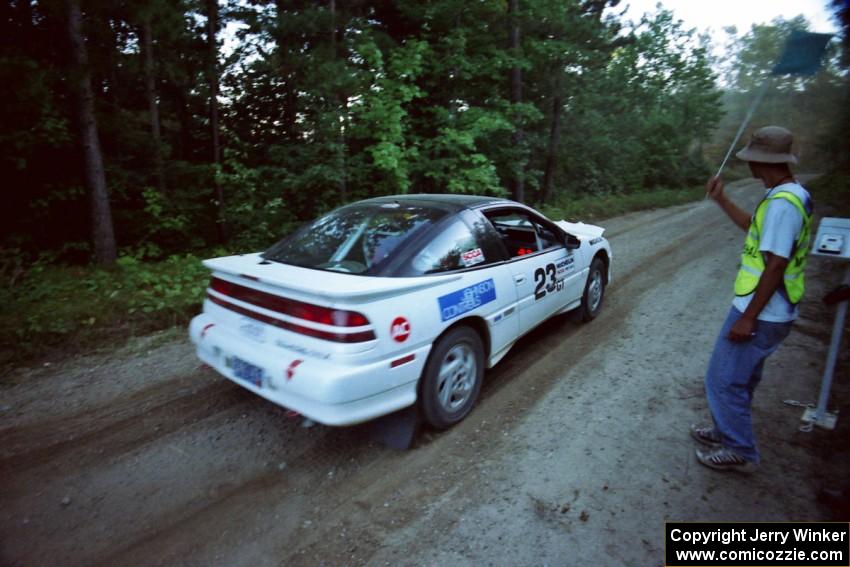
<point>594,291</point>
<point>452,378</point>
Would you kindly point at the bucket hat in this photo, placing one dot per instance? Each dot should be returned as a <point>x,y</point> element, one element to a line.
<point>771,144</point>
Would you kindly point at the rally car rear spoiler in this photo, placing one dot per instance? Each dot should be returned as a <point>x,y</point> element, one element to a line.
<point>331,286</point>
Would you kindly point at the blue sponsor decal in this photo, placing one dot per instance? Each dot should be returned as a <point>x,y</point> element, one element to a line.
<point>463,300</point>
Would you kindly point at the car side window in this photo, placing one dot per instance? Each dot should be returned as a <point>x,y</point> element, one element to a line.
<point>521,233</point>
<point>454,248</point>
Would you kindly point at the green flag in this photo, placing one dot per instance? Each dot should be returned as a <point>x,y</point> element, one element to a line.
<point>802,53</point>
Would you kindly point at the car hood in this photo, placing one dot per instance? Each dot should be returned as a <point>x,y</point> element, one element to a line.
<point>581,230</point>
<point>331,286</point>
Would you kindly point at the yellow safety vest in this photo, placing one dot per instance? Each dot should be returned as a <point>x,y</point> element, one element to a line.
<point>752,260</point>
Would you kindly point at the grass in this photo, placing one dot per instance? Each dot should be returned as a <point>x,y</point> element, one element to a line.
<point>598,207</point>
<point>47,307</point>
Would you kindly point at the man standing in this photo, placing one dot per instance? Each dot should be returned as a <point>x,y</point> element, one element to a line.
<point>768,288</point>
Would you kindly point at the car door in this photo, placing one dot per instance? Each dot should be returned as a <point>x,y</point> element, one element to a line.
<point>568,268</point>
<point>539,262</point>
<point>466,245</point>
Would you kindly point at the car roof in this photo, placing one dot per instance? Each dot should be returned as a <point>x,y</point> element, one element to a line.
<point>456,202</point>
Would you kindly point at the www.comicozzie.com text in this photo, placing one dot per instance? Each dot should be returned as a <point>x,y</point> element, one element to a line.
<point>743,534</point>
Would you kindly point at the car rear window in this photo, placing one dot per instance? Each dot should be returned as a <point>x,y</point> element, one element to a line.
<point>355,238</point>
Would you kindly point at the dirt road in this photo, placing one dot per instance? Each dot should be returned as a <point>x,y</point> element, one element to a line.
<point>578,449</point>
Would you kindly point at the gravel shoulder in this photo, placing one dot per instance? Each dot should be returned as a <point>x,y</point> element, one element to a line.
<point>577,449</point>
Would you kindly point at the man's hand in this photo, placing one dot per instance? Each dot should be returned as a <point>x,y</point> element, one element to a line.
<point>743,330</point>
<point>714,188</point>
<point>770,280</point>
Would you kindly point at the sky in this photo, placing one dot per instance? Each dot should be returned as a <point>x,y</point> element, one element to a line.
<point>714,15</point>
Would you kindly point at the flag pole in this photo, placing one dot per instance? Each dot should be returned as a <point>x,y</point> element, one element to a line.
<point>750,112</point>
<point>801,55</point>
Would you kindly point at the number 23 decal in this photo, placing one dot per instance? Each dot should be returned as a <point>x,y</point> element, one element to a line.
<point>540,279</point>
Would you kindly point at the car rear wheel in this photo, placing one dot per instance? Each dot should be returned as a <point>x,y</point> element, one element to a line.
<point>594,291</point>
<point>452,378</point>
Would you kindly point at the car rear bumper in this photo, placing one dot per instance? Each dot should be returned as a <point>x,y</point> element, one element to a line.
<point>329,391</point>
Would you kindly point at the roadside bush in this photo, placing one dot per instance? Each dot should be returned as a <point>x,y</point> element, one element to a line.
<point>46,305</point>
<point>831,193</point>
<point>593,207</point>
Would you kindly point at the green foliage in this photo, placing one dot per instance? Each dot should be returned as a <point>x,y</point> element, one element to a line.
<point>155,206</point>
<point>598,207</point>
<point>169,289</point>
<point>31,119</point>
<point>380,114</point>
<point>44,304</point>
<point>813,107</point>
<point>831,193</point>
<point>255,211</point>
<point>647,114</point>
<point>453,160</point>
<point>320,107</point>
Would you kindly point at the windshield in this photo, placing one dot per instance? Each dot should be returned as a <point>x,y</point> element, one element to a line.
<point>355,238</point>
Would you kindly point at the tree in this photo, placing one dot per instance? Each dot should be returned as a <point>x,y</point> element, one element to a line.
<point>809,106</point>
<point>326,102</point>
<point>212,33</point>
<point>837,144</point>
<point>150,91</point>
<point>515,47</point>
<point>103,235</point>
<point>569,44</point>
<point>342,105</point>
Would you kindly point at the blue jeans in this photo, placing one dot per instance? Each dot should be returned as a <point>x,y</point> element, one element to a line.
<point>733,373</point>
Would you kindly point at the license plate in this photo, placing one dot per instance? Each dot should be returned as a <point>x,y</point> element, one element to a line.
<point>246,371</point>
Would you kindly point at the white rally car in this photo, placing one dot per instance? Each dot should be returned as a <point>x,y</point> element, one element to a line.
<point>395,301</point>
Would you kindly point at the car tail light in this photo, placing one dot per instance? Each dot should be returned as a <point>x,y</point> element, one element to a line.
<point>297,309</point>
<point>326,316</point>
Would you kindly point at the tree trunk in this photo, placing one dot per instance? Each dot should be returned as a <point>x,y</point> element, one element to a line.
<point>518,182</point>
<point>112,73</point>
<point>153,105</point>
<point>184,140</point>
<point>212,31</point>
<point>25,15</point>
<point>289,112</point>
<point>332,8</point>
<point>554,142</point>
<point>103,233</point>
<point>341,100</point>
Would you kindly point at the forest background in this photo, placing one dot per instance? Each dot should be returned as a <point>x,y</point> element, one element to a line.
<point>136,137</point>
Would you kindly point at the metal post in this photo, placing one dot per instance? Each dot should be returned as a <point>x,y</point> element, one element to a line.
<point>819,416</point>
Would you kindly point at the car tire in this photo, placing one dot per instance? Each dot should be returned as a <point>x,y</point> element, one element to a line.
<point>594,291</point>
<point>452,378</point>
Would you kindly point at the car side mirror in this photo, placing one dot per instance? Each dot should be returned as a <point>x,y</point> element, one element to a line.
<point>571,242</point>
